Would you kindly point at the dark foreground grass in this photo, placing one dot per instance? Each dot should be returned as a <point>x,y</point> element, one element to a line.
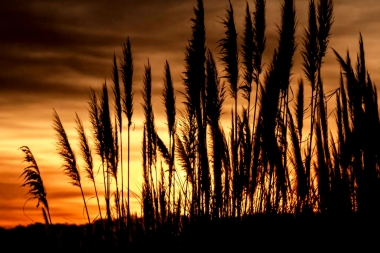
<point>253,233</point>
<point>264,187</point>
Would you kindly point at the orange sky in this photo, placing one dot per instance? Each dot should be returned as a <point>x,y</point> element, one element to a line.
<point>52,52</point>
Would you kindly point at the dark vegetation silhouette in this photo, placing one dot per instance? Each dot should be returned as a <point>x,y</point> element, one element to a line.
<point>265,176</point>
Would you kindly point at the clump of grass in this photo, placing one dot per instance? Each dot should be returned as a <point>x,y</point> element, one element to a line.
<point>194,86</point>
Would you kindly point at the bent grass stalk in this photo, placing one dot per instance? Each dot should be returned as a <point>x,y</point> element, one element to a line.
<point>33,180</point>
<point>70,167</point>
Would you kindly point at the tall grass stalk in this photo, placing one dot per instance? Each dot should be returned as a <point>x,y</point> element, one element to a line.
<point>110,146</point>
<point>248,48</point>
<point>215,96</point>
<point>194,84</point>
<point>87,157</point>
<point>259,25</point>
<point>127,77</point>
<point>259,39</point>
<point>98,138</point>
<point>150,145</point>
<point>168,98</point>
<point>229,57</point>
<point>70,167</point>
<point>118,126</point>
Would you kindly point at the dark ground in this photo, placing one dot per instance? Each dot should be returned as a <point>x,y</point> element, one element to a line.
<point>253,234</point>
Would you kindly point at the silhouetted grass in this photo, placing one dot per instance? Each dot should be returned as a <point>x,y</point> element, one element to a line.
<point>33,180</point>
<point>70,167</point>
<point>127,76</point>
<point>263,176</point>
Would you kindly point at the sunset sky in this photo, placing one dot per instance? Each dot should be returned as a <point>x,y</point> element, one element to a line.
<point>53,51</point>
